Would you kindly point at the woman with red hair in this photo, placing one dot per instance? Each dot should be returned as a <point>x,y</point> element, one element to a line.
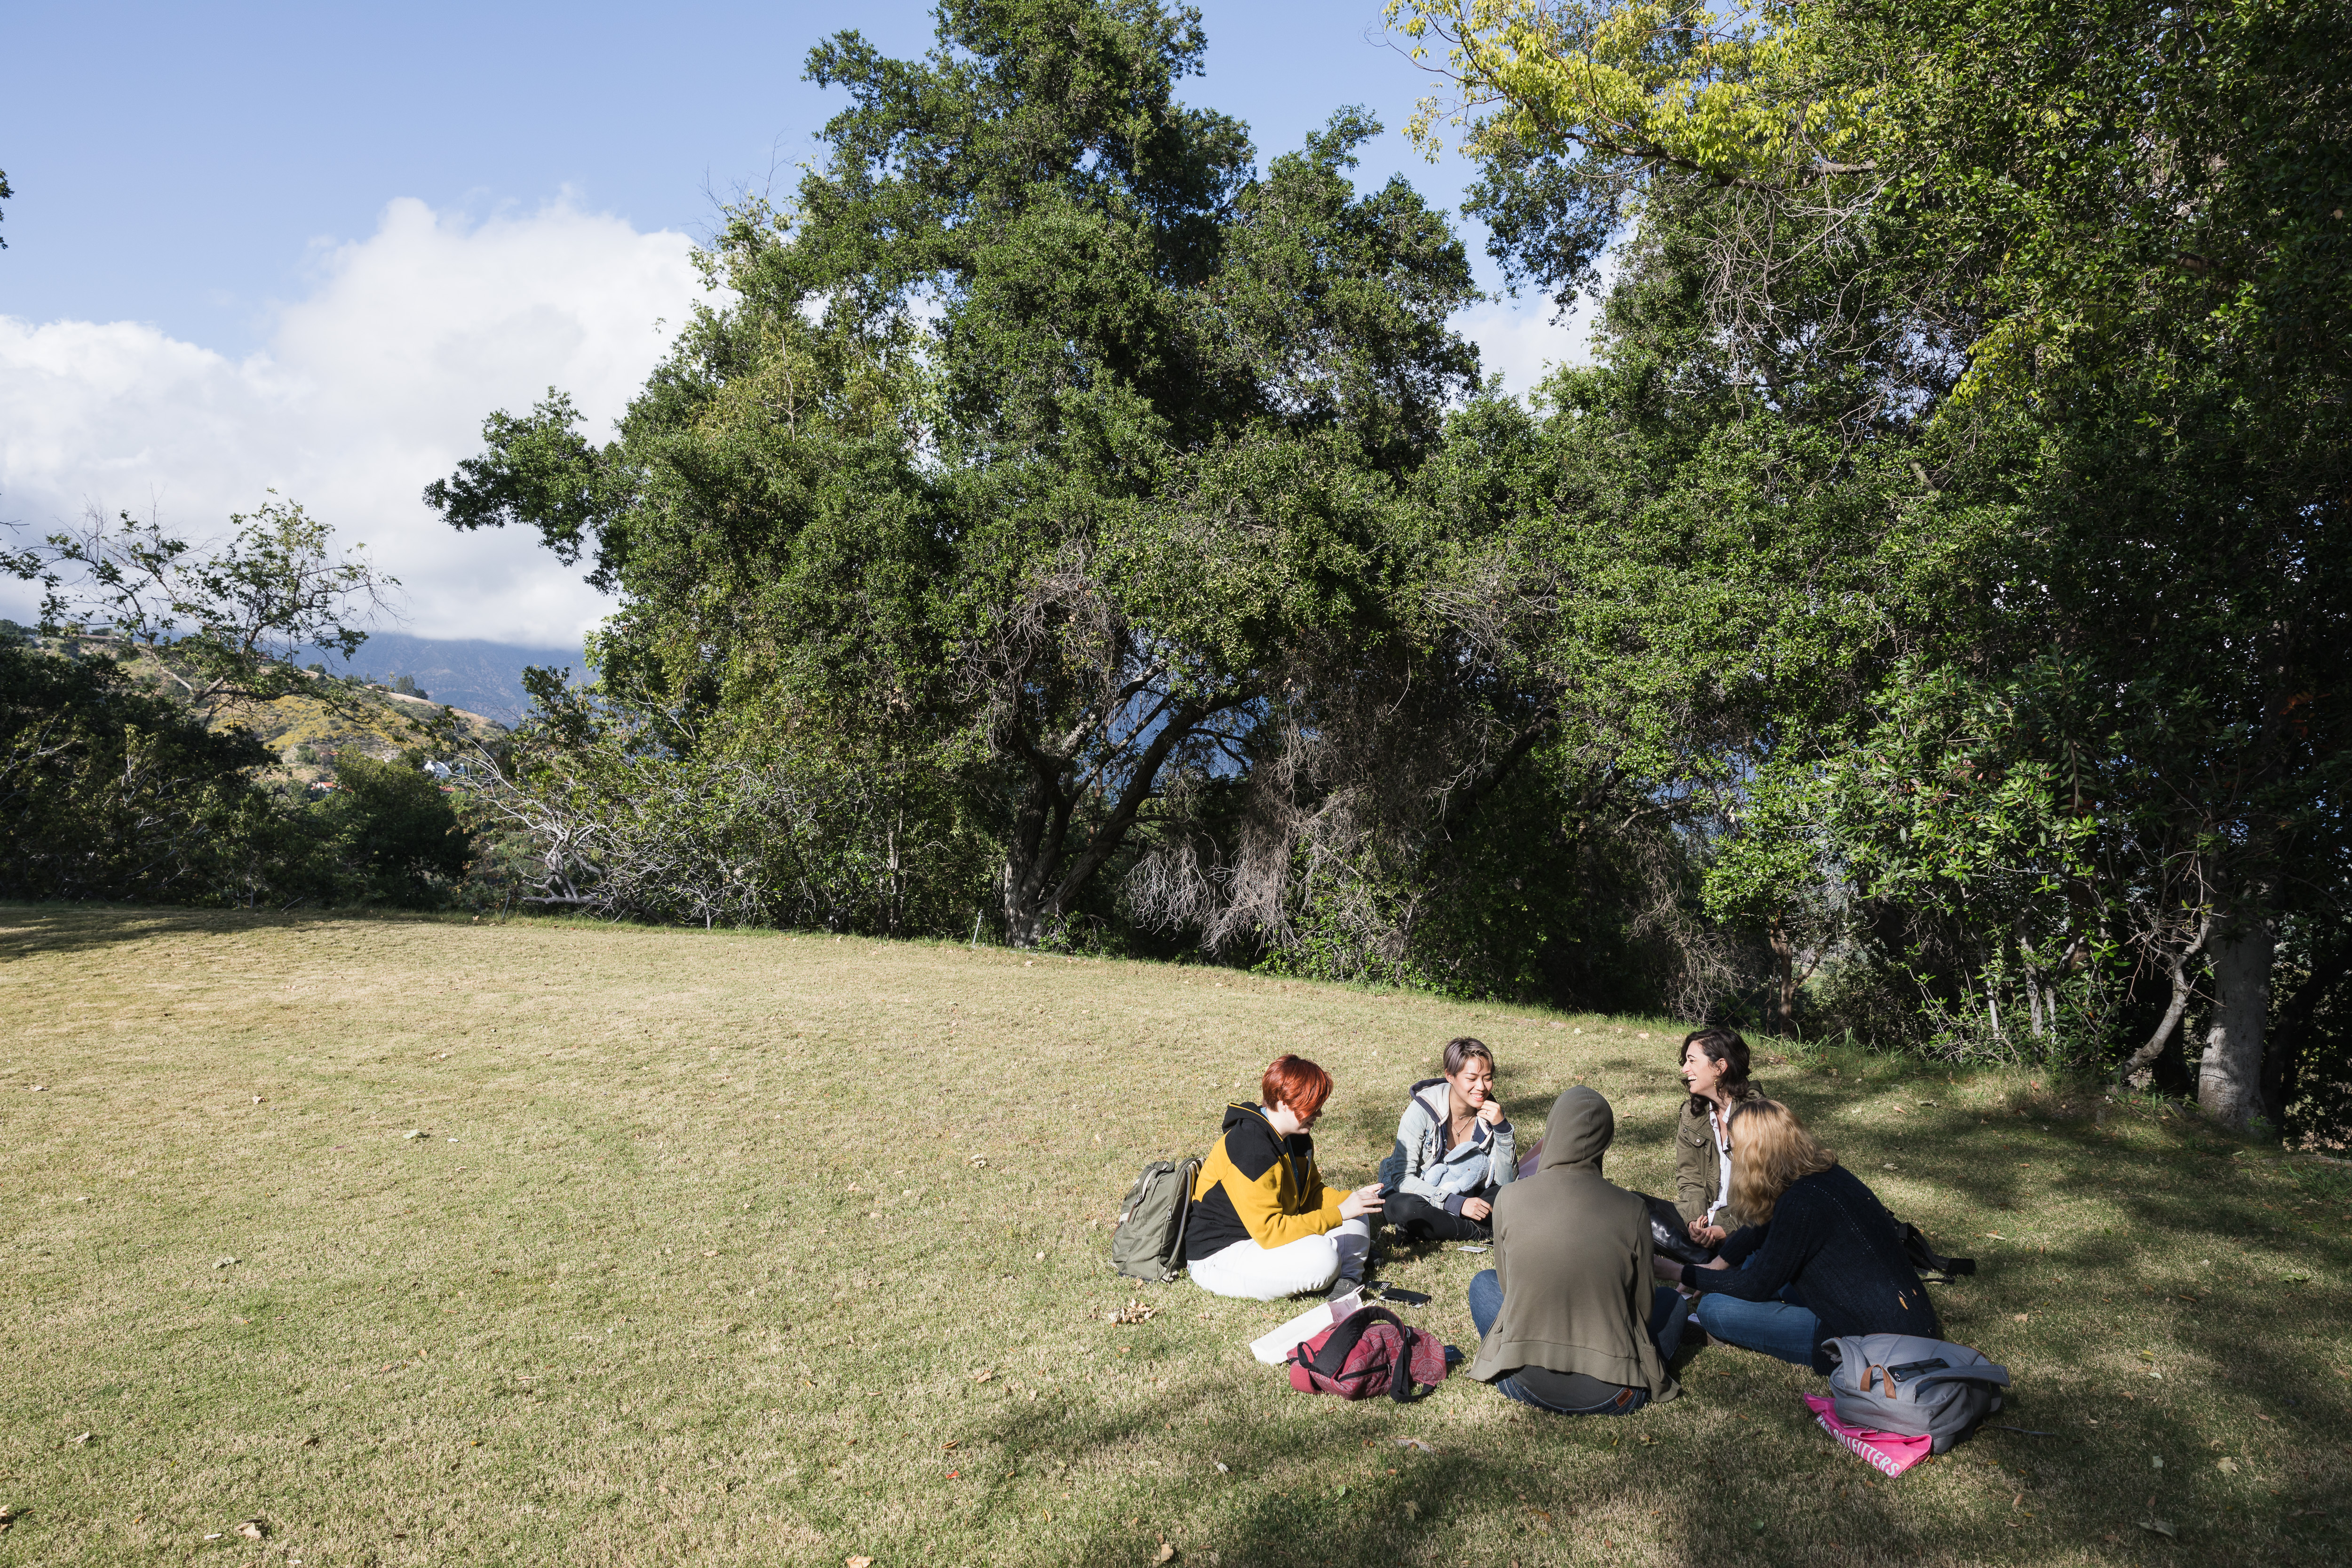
<point>1263,1225</point>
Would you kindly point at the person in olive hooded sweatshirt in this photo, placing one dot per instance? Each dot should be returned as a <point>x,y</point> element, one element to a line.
<point>1569,1318</point>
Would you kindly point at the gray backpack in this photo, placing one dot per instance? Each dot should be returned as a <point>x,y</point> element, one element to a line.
<point>1911,1386</point>
<point>1147,1240</point>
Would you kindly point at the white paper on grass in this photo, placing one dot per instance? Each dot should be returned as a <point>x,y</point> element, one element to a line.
<point>1273,1346</point>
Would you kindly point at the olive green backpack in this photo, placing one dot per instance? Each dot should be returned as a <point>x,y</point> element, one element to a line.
<point>1147,1240</point>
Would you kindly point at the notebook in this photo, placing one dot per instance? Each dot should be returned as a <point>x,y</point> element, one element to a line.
<point>1274,1345</point>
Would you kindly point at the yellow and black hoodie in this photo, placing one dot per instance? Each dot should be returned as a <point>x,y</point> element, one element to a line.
<point>1258,1185</point>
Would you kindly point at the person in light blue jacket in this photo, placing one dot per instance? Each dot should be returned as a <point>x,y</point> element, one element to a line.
<point>1454,1151</point>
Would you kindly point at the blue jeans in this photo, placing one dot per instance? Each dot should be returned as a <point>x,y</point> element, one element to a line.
<point>1783,1327</point>
<point>1666,1326</point>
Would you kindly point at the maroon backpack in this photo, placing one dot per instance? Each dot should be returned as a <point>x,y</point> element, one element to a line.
<point>1365,1353</point>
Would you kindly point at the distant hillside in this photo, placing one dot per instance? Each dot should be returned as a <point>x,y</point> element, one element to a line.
<point>480,676</point>
<point>306,733</point>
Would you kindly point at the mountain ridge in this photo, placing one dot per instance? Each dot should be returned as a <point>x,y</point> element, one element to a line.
<point>473,673</point>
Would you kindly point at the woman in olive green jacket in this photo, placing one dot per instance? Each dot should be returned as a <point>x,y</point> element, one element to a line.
<point>1715,1069</point>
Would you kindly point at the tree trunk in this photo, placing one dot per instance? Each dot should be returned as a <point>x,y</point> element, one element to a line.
<point>1039,887</point>
<point>1784,975</point>
<point>2230,1079</point>
<point>2139,1069</point>
<point>1031,850</point>
<point>2284,1045</point>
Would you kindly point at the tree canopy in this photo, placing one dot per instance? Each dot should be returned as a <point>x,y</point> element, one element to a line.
<point>1924,616</point>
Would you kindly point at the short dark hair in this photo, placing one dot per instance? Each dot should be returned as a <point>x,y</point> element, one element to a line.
<point>1724,1048</point>
<point>1461,1049</point>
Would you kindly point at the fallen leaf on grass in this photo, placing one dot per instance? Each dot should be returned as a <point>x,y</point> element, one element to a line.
<point>1167,1553</point>
<point>857,1563</point>
<point>1413,1510</point>
<point>2229,1467</point>
<point>82,1440</point>
<point>1223,1469</point>
<point>950,1443</point>
<point>984,1374</point>
<point>1133,1312</point>
<point>253,1530</point>
<point>224,1262</point>
<point>2162,1527</point>
<point>1414,1443</point>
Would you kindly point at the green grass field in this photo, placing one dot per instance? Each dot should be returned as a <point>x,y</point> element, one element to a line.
<point>434,1243</point>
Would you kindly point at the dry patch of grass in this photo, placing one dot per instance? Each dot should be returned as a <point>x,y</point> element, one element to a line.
<point>432,1242</point>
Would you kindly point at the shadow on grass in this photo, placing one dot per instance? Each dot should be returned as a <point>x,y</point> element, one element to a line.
<point>49,929</point>
<point>2195,1262</point>
<point>1529,1485</point>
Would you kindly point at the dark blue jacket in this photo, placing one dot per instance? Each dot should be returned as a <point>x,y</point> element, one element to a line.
<point>1834,1241</point>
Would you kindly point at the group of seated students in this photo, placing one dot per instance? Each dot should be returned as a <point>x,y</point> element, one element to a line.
<point>1581,1313</point>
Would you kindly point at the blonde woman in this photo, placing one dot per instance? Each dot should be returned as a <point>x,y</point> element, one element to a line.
<point>1817,1256</point>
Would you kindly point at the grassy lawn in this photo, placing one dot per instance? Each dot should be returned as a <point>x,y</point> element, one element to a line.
<point>432,1242</point>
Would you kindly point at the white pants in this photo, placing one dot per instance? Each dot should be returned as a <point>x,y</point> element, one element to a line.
<point>1258,1273</point>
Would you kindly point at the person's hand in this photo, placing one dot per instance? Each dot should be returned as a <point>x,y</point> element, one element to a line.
<point>1715,1263</point>
<point>1697,1229</point>
<point>1712,1234</point>
<point>1491,1114</point>
<point>1363,1200</point>
<point>1476,1208</point>
<point>1666,1269</point>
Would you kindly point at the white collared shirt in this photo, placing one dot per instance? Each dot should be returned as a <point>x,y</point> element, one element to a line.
<point>1722,1165</point>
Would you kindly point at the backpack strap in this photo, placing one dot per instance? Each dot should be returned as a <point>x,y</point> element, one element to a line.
<point>1981,1372</point>
<point>1189,1173</point>
<point>1333,1357</point>
<point>1931,1266</point>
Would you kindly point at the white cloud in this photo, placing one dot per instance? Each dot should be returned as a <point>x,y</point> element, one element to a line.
<point>373,385</point>
<point>1520,339</point>
<point>377,383</point>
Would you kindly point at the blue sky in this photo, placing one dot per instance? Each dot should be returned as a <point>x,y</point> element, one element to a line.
<point>234,225</point>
